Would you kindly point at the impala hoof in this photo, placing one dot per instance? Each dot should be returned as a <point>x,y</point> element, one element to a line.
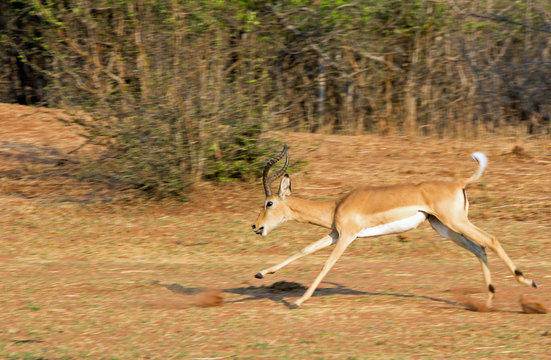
<point>259,276</point>
<point>534,284</point>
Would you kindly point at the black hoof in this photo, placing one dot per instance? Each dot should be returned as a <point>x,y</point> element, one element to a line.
<point>289,305</point>
<point>259,276</point>
<point>534,284</point>
<point>293,306</point>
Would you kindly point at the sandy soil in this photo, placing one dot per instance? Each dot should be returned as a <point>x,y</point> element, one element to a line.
<point>85,274</point>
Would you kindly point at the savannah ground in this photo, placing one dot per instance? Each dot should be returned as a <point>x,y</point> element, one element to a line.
<point>86,272</point>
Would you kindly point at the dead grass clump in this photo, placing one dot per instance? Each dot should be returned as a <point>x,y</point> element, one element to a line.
<point>518,152</point>
<point>404,238</point>
<point>176,297</point>
<point>532,305</point>
<point>208,298</point>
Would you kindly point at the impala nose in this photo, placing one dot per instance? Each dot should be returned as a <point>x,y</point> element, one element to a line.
<point>260,229</point>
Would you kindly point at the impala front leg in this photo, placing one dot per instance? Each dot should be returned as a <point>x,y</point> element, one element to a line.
<point>342,244</point>
<point>318,245</point>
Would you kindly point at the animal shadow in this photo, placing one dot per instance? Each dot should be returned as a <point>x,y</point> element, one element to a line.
<point>280,290</point>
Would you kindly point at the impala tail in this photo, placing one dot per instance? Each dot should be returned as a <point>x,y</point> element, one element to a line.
<point>482,161</point>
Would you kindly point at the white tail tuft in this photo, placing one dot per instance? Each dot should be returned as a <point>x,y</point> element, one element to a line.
<point>482,161</point>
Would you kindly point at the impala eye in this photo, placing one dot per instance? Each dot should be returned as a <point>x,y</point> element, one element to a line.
<point>269,203</point>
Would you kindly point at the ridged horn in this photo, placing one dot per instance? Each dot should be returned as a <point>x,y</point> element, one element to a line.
<point>267,181</point>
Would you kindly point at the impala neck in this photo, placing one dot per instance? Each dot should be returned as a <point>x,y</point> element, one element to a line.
<point>314,212</point>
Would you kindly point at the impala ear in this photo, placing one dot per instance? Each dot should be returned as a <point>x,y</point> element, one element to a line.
<point>285,186</point>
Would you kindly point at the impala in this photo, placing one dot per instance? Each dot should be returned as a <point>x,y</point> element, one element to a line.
<point>373,211</point>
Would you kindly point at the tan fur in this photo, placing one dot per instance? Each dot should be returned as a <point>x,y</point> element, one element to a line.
<point>367,207</point>
<point>307,211</point>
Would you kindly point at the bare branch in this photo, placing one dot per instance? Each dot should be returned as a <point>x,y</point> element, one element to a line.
<point>501,18</point>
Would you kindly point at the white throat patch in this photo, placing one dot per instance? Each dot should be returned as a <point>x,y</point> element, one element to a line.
<point>394,227</point>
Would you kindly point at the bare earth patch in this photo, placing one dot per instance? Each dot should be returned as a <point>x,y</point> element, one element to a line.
<point>84,275</point>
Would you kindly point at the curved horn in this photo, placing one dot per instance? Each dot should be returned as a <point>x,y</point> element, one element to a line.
<point>268,180</point>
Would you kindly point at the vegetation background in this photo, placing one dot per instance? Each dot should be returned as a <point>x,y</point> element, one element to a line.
<point>182,90</point>
<point>171,92</point>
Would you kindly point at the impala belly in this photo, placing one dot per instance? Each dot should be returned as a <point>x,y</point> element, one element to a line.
<point>398,226</point>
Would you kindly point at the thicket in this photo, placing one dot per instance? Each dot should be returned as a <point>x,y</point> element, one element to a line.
<point>182,90</point>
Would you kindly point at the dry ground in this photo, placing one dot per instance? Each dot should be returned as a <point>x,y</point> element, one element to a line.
<point>84,274</point>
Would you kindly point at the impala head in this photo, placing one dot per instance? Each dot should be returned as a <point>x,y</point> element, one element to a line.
<point>275,210</point>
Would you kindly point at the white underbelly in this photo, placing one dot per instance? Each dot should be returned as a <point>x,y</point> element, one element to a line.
<point>394,227</point>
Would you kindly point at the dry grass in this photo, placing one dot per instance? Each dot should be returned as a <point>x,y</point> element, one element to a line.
<point>86,275</point>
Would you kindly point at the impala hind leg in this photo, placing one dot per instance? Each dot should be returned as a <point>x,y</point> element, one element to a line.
<point>318,245</point>
<point>342,244</point>
<point>484,239</point>
<point>467,244</point>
